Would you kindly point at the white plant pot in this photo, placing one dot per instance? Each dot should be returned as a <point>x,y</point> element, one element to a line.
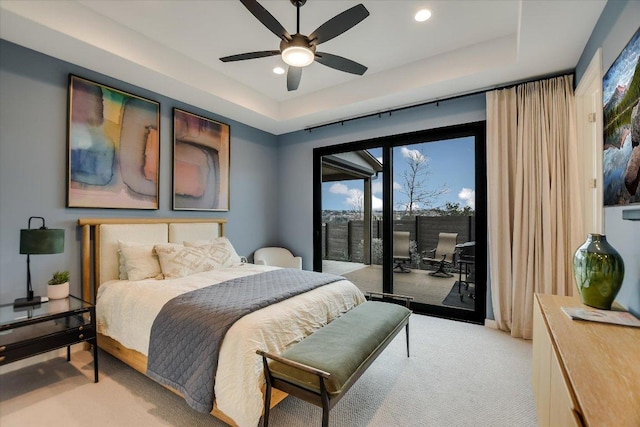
<point>58,291</point>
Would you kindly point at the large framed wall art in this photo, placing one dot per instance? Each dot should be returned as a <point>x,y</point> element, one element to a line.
<point>114,148</point>
<point>621,99</point>
<point>200,163</point>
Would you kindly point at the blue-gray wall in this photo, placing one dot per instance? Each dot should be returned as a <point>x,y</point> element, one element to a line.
<point>271,180</point>
<point>33,176</point>
<point>618,22</point>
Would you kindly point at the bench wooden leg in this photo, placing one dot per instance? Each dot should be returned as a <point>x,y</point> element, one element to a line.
<point>325,416</point>
<point>407,333</point>
<point>324,395</point>
<point>267,406</point>
<point>267,394</point>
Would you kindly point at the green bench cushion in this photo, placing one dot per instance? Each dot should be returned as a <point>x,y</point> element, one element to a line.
<point>341,346</point>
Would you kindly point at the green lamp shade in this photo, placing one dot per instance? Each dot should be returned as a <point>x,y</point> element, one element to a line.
<point>41,241</point>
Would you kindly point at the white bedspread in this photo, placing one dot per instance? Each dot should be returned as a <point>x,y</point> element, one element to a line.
<point>125,311</point>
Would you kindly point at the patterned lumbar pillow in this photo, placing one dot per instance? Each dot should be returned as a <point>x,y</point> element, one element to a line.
<point>179,261</point>
<point>218,244</point>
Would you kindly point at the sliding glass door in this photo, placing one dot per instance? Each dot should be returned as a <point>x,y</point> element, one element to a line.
<point>406,215</point>
<point>351,230</point>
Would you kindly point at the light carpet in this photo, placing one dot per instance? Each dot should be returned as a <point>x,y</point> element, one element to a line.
<point>459,374</point>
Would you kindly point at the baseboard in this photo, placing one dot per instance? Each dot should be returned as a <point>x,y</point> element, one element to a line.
<point>490,323</point>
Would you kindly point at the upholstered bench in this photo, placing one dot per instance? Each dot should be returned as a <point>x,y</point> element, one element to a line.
<point>322,367</point>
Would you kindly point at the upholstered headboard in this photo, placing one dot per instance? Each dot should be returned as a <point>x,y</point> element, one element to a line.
<point>100,254</point>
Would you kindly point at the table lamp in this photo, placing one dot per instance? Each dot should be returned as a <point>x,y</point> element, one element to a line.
<point>38,241</point>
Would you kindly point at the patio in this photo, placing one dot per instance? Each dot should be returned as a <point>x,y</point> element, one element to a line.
<point>418,283</point>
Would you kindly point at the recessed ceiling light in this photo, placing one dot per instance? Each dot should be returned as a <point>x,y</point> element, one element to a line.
<point>278,70</point>
<point>422,15</point>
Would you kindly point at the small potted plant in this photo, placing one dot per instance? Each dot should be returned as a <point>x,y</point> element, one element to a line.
<point>58,285</point>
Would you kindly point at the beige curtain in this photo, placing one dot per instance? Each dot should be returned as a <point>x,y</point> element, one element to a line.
<point>534,213</point>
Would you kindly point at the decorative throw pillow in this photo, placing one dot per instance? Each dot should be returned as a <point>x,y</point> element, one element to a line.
<point>140,261</point>
<point>221,243</point>
<point>179,261</point>
<point>122,266</point>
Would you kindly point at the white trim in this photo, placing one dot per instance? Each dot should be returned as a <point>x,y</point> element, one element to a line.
<point>490,323</point>
<point>589,102</point>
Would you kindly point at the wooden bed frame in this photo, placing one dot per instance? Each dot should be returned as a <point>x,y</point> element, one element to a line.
<point>91,263</point>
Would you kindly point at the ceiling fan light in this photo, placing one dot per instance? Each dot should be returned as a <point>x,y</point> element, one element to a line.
<point>297,56</point>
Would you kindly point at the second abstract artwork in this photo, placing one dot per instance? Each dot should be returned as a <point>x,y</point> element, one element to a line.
<point>200,163</point>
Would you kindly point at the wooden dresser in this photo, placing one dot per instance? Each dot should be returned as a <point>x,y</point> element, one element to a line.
<point>584,373</point>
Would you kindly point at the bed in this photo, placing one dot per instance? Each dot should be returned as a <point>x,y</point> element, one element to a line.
<point>126,307</point>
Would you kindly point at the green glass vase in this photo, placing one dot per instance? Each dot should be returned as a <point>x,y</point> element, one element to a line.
<point>598,269</point>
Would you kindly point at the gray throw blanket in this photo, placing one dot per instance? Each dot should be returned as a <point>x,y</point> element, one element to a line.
<point>187,334</point>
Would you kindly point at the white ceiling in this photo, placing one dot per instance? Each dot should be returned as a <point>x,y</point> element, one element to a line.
<point>172,47</point>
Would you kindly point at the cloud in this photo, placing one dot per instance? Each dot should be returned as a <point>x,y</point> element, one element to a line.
<point>355,199</point>
<point>338,188</point>
<point>376,203</point>
<point>468,197</point>
<point>413,154</point>
<point>355,196</point>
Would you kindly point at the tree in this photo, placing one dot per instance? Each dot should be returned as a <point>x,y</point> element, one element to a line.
<point>414,183</point>
<point>356,200</point>
<point>454,209</point>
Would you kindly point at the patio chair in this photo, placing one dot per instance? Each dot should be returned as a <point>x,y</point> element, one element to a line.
<point>278,257</point>
<point>443,254</point>
<point>401,252</point>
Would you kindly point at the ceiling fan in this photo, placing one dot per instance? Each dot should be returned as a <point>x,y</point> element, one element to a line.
<point>298,50</point>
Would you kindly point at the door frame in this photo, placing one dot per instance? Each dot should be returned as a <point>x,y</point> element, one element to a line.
<point>387,143</point>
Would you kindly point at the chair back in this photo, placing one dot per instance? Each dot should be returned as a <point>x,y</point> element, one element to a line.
<point>401,244</point>
<point>277,257</point>
<point>446,246</point>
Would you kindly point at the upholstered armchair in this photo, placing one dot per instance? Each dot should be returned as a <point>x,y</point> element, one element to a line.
<point>277,257</point>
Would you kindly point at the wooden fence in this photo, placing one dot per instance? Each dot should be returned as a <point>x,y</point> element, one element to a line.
<point>344,242</point>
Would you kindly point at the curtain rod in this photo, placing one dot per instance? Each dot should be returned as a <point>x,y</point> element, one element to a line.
<point>439,100</point>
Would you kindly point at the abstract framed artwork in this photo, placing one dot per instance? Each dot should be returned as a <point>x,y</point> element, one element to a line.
<point>114,148</point>
<point>200,163</point>
<point>621,123</point>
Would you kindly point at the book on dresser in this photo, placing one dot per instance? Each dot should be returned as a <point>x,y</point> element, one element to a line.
<point>623,318</point>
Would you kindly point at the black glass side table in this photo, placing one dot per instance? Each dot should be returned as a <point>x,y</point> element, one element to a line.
<point>28,331</point>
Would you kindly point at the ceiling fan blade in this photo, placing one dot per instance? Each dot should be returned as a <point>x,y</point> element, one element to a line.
<point>339,24</point>
<point>266,18</point>
<point>293,77</point>
<point>340,63</point>
<point>250,55</point>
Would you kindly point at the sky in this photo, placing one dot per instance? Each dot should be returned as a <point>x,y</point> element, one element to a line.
<point>450,163</point>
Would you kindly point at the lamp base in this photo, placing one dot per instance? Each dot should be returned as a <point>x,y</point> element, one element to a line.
<point>24,302</point>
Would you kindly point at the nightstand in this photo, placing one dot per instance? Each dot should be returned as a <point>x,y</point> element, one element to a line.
<point>27,331</point>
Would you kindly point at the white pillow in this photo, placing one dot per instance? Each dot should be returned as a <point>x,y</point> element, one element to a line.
<point>178,260</point>
<point>221,242</point>
<point>139,261</point>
